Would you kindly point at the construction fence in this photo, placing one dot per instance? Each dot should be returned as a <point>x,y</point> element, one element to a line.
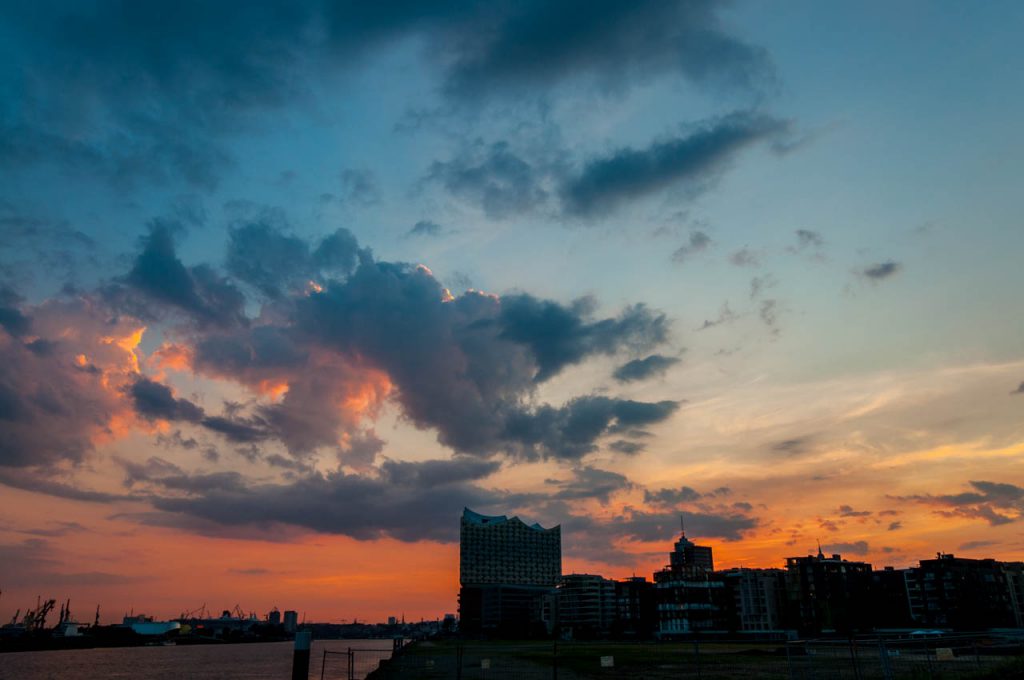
<point>967,657</point>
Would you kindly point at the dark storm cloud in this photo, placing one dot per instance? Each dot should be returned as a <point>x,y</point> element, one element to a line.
<point>561,336</point>
<point>699,242</point>
<point>589,482</point>
<point>501,182</point>
<point>54,396</point>
<point>154,400</point>
<point>671,497</point>
<point>854,548</point>
<point>142,91</point>
<point>848,511</point>
<point>464,367</point>
<point>627,174</point>
<point>431,473</point>
<point>261,254</point>
<point>995,502</point>
<point>467,367</point>
<point>38,482</point>
<point>895,526</point>
<point>882,270</point>
<point>643,526</point>
<point>240,430</point>
<point>409,507</point>
<point>198,291</point>
<point>14,322</point>
<point>523,45</point>
<point>571,431</point>
<point>626,448</point>
<point>642,369</point>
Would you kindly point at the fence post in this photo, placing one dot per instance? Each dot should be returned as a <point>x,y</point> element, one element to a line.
<point>458,661</point>
<point>883,656</point>
<point>323,666</point>
<point>696,652</point>
<point>789,661</point>
<point>300,656</point>
<point>977,657</point>
<point>853,658</point>
<point>554,660</point>
<point>351,664</point>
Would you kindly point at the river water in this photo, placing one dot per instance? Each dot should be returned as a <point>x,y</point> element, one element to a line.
<point>252,661</point>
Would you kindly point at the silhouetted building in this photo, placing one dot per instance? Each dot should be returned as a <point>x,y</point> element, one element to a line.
<point>291,621</point>
<point>274,617</point>
<point>636,613</point>
<point>828,594</point>
<point>1015,584</point>
<point>891,605</point>
<point>505,569</point>
<point>586,605</point>
<point>758,599</point>
<point>967,594</point>
<point>687,555</point>
<point>689,598</point>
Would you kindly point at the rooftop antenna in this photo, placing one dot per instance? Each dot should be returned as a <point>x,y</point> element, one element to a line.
<point>682,526</point>
<point>820,554</point>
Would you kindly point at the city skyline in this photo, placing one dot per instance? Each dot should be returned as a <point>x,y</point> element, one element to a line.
<point>284,288</point>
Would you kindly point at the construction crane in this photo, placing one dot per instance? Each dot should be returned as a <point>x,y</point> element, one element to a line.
<point>35,619</point>
<point>197,613</point>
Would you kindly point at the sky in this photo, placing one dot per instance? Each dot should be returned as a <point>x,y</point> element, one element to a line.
<point>286,286</point>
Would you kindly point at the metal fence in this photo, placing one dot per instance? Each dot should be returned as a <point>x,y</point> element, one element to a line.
<point>945,658</point>
<point>352,664</point>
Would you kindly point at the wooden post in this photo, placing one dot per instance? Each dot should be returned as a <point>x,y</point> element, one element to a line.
<point>300,657</point>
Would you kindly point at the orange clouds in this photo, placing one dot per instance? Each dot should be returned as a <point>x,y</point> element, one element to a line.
<point>172,356</point>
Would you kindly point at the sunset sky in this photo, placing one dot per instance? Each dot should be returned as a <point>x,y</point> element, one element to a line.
<point>285,286</point>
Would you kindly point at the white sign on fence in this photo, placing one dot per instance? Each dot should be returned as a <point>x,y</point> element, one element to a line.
<point>607,662</point>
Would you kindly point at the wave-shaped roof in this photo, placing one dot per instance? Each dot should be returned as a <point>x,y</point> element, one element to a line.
<point>476,518</point>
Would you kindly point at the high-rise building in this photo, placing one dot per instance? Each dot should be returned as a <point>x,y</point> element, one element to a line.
<point>506,567</point>
<point>688,556</point>
<point>586,605</point>
<point>967,594</point>
<point>636,612</point>
<point>828,594</point>
<point>291,621</point>
<point>758,599</point>
<point>689,597</point>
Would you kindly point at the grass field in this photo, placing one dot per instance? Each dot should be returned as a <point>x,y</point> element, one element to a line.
<point>512,660</point>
